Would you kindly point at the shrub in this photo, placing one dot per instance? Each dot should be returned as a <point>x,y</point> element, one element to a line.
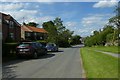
<point>43,42</point>
<point>8,48</point>
<point>63,44</point>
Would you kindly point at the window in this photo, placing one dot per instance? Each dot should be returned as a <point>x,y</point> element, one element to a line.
<point>41,37</point>
<point>35,34</point>
<point>7,21</point>
<point>12,35</point>
<point>27,34</point>
<point>11,25</point>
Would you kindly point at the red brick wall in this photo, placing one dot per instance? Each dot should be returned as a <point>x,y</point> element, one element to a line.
<point>18,33</point>
<point>6,30</point>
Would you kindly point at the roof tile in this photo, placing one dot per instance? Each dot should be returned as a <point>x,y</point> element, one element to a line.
<point>33,29</point>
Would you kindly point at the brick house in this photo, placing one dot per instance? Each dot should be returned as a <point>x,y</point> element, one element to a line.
<point>11,29</point>
<point>33,33</point>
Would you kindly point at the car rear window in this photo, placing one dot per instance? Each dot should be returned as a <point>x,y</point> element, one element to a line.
<point>24,44</point>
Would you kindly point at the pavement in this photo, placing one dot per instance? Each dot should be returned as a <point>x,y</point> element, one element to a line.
<point>63,64</point>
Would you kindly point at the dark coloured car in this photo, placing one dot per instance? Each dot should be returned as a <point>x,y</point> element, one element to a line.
<point>52,47</point>
<point>31,49</point>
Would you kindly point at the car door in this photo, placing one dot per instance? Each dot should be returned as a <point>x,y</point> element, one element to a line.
<point>36,47</point>
<point>41,49</point>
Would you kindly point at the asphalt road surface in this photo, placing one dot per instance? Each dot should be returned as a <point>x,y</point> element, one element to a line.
<point>63,64</point>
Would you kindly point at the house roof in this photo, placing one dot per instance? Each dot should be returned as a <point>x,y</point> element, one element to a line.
<point>24,28</point>
<point>33,29</point>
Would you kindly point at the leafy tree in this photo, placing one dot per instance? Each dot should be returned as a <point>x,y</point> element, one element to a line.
<point>109,37</point>
<point>95,32</point>
<point>75,39</point>
<point>63,33</point>
<point>24,23</point>
<point>115,21</point>
<point>109,33</point>
<point>57,32</point>
<point>59,25</point>
<point>64,38</point>
<point>33,24</point>
<point>52,31</point>
<point>100,37</point>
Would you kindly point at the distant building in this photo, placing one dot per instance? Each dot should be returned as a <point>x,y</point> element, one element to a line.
<point>11,29</point>
<point>33,33</point>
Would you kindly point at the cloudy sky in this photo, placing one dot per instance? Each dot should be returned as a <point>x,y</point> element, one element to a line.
<point>81,17</point>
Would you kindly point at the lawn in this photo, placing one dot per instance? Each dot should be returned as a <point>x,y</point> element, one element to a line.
<point>99,65</point>
<point>113,49</point>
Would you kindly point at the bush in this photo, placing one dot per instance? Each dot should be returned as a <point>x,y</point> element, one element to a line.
<point>10,40</point>
<point>63,44</point>
<point>43,42</point>
<point>8,48</point>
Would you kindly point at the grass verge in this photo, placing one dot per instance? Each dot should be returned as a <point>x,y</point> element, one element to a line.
<point>99,65</point>
<point>112,49</point>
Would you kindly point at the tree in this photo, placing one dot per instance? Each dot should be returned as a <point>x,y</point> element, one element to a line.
<point>33,24</point>
<point>63,33</point>
<point>109,33</point>
<point>57,32</point>
<point>64,38</point>
<point>76,39</point>
<point>95,32</point>
<point>59,25</point>
<point>100,37</point>
<point>52,31</point>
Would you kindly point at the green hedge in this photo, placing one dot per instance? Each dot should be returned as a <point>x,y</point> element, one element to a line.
<point>8,48</point>
<point>63,44</point>
<point>43,42</point>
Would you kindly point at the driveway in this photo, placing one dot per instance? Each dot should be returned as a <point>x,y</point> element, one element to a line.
<point>63,64</point>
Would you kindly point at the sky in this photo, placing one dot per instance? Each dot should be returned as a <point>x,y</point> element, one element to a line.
<point>81,17</point>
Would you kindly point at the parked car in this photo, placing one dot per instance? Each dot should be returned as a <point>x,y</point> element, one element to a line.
<point>31,49</point>
<point>52,47</point>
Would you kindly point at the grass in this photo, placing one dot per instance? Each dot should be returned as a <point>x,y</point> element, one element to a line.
<point>99,65</point>
<point>113,49</point>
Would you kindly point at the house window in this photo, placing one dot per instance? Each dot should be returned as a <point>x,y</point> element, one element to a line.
<point>35,34</point>
<point>27,34</point>
<point>12,35</point>
<point>41,38</point>
<point>11,25</point>
<point>7,21</point>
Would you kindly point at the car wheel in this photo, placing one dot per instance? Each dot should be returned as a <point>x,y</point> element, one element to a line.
<point>35,55</point>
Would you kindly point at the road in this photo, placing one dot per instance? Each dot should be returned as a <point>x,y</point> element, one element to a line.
<point>63,64</point>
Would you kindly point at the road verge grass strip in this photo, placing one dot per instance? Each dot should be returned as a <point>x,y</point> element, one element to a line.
<point>112,49</point>
<point>99,65</point>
